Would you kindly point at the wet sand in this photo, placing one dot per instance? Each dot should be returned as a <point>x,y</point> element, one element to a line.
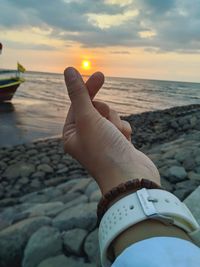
<point>29,122</point>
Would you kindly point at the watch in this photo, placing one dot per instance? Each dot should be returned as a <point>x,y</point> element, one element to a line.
<point>145,204</point>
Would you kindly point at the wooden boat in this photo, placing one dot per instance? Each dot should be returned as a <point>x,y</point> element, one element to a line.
<point>8,86</point>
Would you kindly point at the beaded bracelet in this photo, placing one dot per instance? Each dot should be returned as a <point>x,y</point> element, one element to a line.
<point>122,188</point>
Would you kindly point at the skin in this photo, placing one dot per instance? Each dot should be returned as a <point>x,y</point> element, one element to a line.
<point>95,135</point>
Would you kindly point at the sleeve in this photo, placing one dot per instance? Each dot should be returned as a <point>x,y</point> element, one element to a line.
<point>160,251</point>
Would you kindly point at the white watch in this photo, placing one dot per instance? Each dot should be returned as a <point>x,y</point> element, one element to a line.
<point>145,204</point>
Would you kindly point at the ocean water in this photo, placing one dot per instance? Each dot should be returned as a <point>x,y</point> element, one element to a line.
<point>40,105</point>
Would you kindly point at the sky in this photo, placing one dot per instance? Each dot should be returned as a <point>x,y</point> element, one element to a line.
<point>150,39</point>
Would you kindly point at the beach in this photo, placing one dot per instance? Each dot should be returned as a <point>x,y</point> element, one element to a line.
<point>47,196</point>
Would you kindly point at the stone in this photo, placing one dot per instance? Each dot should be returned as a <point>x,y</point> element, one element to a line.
<point>80,186</point>
<point>45,160</point>
<point>44,209</point>
<point>189,164</point>
<point>182,154</point>
<point>23,180</point>
<point>73,240</point>
<point>166,185</point>
<point>8,202</point>
<point>81,216</point>
<point>45,168</point>
<point>19,169</point>
<point>14,238</point>
<point>192,202</point>
<point>38,175</point>
<point>91,246</point>
<point>93,186</point>
<point>95,196</point>
<point>44,243</point>
<point>35,184</point>
<point>55,180</point>
<point>194,176</point>
<point>191,184</point>
<point>182,193</point>
<point>176,174</point>
<point>34,197</point>
<point>63,261</point>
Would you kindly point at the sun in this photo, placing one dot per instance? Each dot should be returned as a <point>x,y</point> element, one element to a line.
<point>86,65</point>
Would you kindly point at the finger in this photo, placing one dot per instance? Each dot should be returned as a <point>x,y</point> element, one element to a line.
<point>126,129</point>
<point>94,83</point>
<point>115,119</point>
<point>102,108</point>
<point>78,93</point>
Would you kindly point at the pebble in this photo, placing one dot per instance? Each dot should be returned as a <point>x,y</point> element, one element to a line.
<point>44,243</point>
<point>73,240</point>
<point>81,216</point>
<point>177,173</point>
<point>45,168</point>
<point>90,247</point>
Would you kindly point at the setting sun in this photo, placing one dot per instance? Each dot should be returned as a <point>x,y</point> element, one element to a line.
<point>86,65</point>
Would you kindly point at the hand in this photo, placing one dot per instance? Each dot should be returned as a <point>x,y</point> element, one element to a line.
<point>95,135</point>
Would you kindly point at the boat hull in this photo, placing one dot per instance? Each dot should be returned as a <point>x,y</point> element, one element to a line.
<point>8,89</point>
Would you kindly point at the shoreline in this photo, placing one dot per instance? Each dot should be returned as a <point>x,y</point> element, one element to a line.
<point>33,166</point>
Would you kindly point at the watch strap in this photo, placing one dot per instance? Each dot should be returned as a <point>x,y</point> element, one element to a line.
<point>145,204</point>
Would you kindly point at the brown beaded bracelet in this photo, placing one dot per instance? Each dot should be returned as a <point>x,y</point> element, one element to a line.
<point>126,187</point>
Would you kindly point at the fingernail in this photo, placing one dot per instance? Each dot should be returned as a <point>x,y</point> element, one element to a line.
<point>70,75</point>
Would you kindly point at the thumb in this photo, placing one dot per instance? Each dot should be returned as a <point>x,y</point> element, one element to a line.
<point>77,92</point>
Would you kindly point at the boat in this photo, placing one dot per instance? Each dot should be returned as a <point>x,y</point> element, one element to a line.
<point>8,86</point>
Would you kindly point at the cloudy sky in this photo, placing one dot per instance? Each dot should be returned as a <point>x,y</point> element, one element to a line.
<point>128,38</point>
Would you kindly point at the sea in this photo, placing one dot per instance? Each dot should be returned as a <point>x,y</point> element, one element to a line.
<point>40,105</point>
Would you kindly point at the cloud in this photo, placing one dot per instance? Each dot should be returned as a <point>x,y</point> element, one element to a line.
<point>120,52</point>
<point>155,25</point>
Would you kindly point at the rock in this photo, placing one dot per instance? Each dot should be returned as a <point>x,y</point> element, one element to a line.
<point>8,202</point>
<point>190,185</point>
<point>23,180</point>
<point>194,176</point>
<point>38,175</point>
<point>182,154</point>
<point>73,240</point>
<point>91,246</point>
<point>189,164</point>
<point>95,196</point>
<point>81,216</point>
<point>166,185</point>
<point>63,261</point>
<point>93,186</point>
<point>80,186</point>
<point>14,238</point>
<point>192,202</point>
<point>45,160</point>
<point>45,168</point>
<point>44,209</point>
<point>55,181</point>
<point>20,169</point>
<point>35,184</point>
<point>182,193</point>
<point>66,198</point>
<point>45,242</point>
<point>34,197</point>
<point>176,174</point>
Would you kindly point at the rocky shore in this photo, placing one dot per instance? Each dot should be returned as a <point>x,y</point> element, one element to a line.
<point>48,200</point>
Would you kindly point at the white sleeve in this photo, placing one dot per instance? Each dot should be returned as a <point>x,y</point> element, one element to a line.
<point>160,251</point>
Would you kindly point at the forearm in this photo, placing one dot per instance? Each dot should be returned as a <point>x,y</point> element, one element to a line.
<point>143,230</point>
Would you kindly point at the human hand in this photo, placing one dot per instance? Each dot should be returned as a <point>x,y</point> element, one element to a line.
<point>95,135</point>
